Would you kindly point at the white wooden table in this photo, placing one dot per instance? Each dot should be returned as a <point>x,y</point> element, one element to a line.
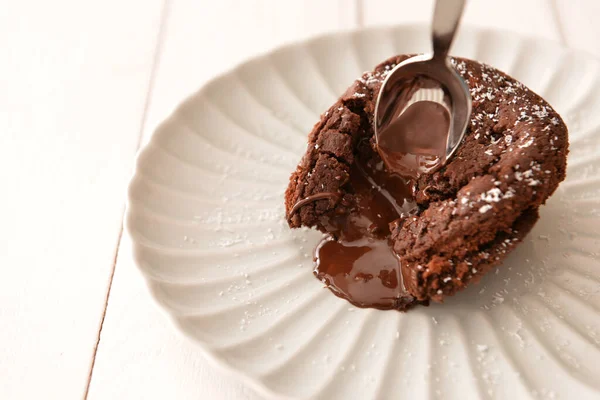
<point>82,86</point>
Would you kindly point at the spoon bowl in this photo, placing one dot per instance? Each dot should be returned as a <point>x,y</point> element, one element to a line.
<point>424,105</point>
<point>422,79</point>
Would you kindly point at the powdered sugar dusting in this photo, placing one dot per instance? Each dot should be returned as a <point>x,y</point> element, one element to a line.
<point>485,208</point>
<point>371,78</point>
<point>493,195</point>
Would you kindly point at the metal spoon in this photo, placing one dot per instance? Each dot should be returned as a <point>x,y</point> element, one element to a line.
<point>404,123</point>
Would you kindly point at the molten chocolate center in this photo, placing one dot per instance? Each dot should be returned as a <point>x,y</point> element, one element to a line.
<point>360,265</point>
<point>356,259</point>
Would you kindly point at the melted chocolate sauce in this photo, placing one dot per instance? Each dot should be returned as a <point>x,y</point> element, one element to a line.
<point>360,266</point>
<point>415,142</point>
<point>366,271</point>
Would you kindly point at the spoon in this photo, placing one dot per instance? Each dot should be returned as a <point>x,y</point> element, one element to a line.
<point>423,107</point>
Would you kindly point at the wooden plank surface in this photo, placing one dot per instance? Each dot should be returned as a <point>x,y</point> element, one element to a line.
<point>527,17</point>
<point>73,81</point>
<point>141,356</point>
<point>205,38</point>
<point>78,91</point>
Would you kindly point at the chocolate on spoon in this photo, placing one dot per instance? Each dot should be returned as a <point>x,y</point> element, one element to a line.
<point>423,107</point>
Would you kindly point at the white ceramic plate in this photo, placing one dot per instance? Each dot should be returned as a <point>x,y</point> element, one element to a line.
<point>206,216</point>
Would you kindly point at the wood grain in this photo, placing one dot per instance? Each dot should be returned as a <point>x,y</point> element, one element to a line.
<point>528,17</point>
<point>74,76</point>
<point>205,38</point>
<point>202,40</point>
<point>76,96</point>
<point>141,356</point>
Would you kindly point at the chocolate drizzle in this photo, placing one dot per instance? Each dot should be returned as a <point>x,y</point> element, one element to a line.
<point>307,200</point>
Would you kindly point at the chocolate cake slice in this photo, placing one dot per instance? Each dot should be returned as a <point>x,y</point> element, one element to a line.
<point>445,229</point>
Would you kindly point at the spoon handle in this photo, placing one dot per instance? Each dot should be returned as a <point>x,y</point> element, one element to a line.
<point>446,17</point>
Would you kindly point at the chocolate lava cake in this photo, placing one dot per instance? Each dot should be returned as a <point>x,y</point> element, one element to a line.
<point>449,227</point>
